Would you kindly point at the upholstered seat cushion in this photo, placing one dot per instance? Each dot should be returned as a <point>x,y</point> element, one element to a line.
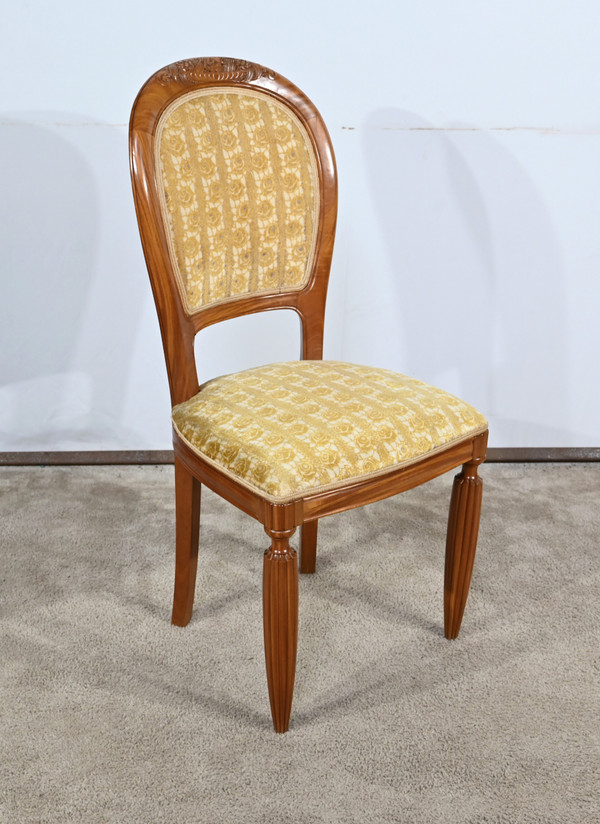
<point>290,428</point>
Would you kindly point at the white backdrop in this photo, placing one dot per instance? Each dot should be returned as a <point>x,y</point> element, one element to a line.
<point>468,145</point>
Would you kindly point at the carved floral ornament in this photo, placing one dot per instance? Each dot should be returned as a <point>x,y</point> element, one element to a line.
<point>213,68</point>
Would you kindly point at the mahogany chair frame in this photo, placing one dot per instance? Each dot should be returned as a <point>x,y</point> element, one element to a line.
<point>178,330</point>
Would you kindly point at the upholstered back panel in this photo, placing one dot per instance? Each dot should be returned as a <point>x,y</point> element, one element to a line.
<point>239,192</point>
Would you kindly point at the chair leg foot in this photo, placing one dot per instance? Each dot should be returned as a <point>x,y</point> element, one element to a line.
<point>187,527</point>
<point>308,546</point>
<point>280,608</point>
<point>461,543</point>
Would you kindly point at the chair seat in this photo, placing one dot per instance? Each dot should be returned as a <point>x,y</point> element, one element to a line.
<point>288,429</point>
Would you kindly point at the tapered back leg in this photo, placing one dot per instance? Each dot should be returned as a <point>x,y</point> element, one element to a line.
<point>187,514</point>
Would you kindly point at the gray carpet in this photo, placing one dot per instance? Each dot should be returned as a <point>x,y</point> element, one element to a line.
<point>110,714</point>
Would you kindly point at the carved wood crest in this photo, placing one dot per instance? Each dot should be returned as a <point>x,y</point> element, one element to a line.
<point>201,69</point>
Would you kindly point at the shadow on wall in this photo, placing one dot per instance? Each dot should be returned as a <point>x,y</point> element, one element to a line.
<point>477,271</point>
<point>49,237</point>
<point>49,231</point>
<point>63,352</point>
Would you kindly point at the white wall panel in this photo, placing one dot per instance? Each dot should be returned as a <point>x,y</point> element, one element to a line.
<point>468,145</point>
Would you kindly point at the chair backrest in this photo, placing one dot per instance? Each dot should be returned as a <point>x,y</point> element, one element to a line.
<point>236,196</point>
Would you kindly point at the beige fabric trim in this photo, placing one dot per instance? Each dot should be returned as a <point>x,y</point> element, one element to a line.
<point>164,210</point>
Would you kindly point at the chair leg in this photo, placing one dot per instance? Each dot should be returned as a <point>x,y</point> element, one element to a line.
<point>461,543</point>
<point>280,609</point>
<point>308,546</point>
<point>187,528</point>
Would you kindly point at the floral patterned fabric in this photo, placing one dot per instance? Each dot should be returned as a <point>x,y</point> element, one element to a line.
<point>290,428</point>
<point>239,193</point>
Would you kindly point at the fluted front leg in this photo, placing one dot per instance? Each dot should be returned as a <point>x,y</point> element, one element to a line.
<point>463,527</point>
<point>187,528</point>
<point>280,606</point>
<point>308,546</point>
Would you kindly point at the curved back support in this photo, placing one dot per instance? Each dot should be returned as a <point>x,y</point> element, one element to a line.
<point>235,191</point>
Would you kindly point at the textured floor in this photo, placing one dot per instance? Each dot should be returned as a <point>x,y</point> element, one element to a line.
<point>110,714</point>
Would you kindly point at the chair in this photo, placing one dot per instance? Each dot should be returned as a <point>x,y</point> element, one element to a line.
<point>234,184</point>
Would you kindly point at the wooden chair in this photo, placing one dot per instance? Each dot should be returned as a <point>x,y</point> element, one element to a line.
<point>234,183</point>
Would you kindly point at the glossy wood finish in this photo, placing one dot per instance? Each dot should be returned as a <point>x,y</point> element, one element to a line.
<point>187,529</point>
<point>280,618</point>
<point>178,329</point>
<point>461,543</point>
<point>308,546</point>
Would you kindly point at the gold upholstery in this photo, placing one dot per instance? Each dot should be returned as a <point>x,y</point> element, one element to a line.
<point>289,428</point>
<point>238,194</point>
